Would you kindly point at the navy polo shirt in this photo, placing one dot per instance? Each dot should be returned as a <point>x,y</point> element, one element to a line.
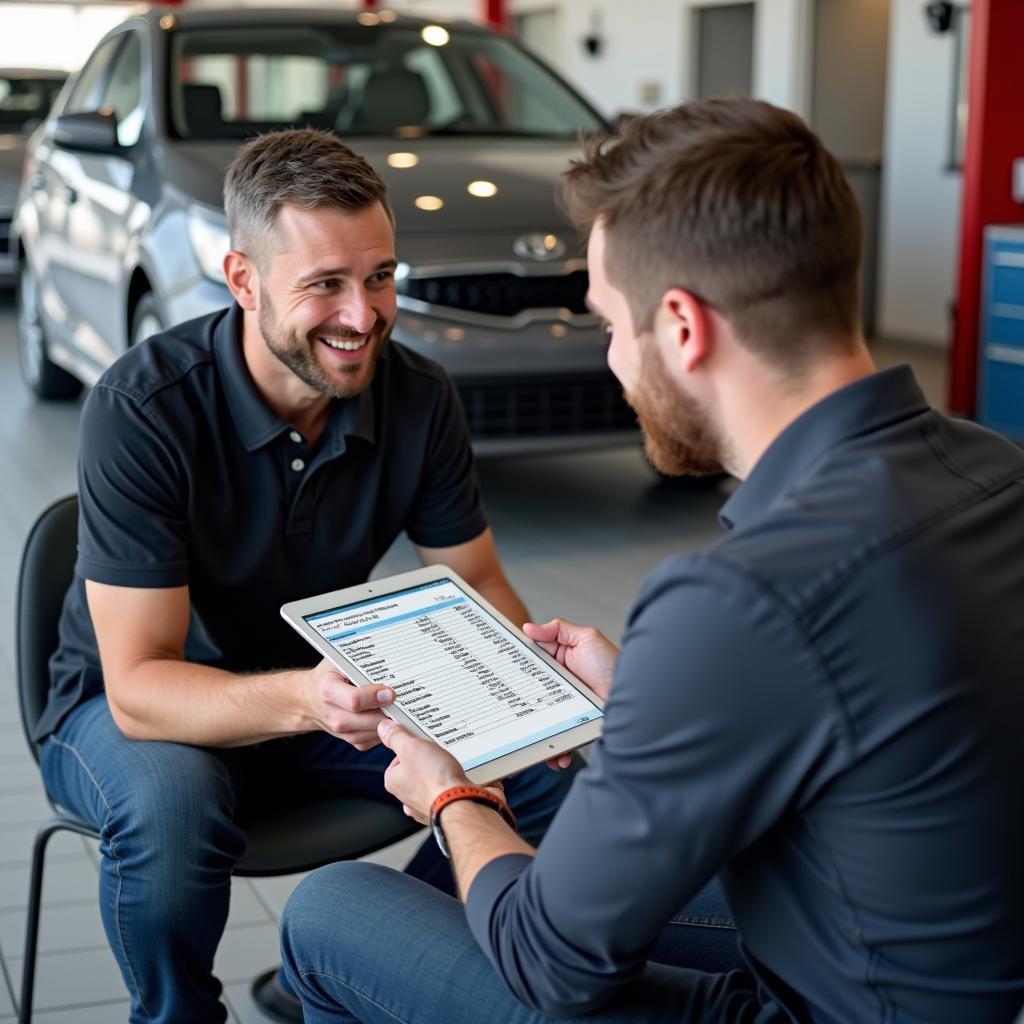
<point>824,708</point>
<point>186,477</point>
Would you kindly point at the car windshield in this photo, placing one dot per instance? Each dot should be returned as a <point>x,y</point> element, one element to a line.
<point>24,101</point>
<point>377,79</point>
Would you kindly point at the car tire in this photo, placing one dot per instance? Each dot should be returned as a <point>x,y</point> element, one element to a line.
<point>147,319</point>
<point>44,378</point>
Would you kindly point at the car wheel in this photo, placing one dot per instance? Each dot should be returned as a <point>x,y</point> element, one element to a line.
<point>45,378</point>
<point>147,319</point>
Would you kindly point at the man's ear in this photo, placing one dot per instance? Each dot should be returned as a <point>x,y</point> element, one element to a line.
<point>243,279</point>
<point>685,325</point>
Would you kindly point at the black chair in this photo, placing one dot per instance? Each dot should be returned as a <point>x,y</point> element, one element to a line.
<point>297,838</point>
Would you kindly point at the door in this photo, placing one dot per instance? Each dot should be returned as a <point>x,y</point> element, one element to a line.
<point>98,218</point>
<point>724,50</point>
<point>53,196</point>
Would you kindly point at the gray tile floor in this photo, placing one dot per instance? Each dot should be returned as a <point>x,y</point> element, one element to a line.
<point>577,535</point>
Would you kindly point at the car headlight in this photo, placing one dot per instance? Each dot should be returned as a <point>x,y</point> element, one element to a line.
<point>208,233</point>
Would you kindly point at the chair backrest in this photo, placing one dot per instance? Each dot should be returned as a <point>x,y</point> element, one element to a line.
<point>47,569</point>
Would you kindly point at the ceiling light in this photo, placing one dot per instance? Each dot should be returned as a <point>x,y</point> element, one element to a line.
<point>482,189</point>
<point>435,35</point>
<point>368,18</point>
<point>429,203</point>
<point>402,160</point>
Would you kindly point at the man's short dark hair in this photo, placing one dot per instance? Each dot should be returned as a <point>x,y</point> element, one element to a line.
<point>299,167</point>
<point>737,202</point>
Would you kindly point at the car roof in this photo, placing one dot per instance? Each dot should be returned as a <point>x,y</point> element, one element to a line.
<point>212,17</point>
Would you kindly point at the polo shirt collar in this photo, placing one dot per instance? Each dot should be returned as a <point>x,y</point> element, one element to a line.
<point>859,408</point>
<point>256,422</point>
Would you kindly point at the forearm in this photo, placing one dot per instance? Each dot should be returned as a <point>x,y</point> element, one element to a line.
<point>505,599</point>
<point>476,835</point>
<point>177,701</point>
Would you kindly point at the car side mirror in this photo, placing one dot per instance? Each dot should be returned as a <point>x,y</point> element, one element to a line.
<point>94,131</point>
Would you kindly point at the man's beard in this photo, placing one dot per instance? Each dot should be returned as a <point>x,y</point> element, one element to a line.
<point>297,352</point>
<point>679,438</point>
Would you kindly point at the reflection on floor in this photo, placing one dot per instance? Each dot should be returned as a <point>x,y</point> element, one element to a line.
<point>577,534</point>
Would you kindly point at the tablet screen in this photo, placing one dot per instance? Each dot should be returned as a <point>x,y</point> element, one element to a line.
<point>457,672</point>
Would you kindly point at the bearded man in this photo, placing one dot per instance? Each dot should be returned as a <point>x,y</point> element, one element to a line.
<point>823,708</point>
<point>264,453</point>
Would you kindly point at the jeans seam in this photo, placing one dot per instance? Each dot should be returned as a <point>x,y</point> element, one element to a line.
<point>352,988</point>
<point>137,993</point>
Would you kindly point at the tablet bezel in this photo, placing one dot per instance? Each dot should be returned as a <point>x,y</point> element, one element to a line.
<point>295,612</point>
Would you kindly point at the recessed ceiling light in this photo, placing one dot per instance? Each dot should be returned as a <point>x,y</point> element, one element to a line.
<point>402,160</point>
<point>429,203</point>
<point>435,35</point>
<point>482,189</point>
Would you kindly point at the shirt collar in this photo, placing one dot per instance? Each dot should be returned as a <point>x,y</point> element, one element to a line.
<point>256,422</point>
<point>859,408</point>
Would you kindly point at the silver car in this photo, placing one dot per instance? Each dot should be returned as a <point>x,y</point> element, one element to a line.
<point>120,229</point>
<point>26,95</point>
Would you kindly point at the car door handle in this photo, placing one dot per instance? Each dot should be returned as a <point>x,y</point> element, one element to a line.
<point>70,195</point>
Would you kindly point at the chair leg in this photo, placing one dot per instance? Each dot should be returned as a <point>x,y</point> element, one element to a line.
<point>35,896</point>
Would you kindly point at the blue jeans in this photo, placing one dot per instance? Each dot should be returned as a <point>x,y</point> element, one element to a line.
<point>168,839</point>
<point>361,942</point>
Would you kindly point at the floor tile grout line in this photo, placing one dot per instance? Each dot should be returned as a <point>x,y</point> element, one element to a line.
<point>265,904</point>
<point>8,982</point>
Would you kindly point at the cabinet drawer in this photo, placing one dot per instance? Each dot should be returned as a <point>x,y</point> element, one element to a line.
<point>1002,397</point>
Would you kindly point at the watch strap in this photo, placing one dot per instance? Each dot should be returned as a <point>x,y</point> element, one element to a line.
<point>478,795</point>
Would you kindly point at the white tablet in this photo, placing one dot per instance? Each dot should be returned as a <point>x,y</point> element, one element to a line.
<point>463,675</point>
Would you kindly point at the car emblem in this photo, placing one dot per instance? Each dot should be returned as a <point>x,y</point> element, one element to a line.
<point>538,246</point>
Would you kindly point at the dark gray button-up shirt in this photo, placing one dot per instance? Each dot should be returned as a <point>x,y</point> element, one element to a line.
<point>825,708</point>
<point>187,477</point>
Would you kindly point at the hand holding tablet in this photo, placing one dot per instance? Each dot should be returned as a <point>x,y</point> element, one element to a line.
<point>462,674</point>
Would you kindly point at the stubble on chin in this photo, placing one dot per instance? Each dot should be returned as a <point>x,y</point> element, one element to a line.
<point>679,437</point>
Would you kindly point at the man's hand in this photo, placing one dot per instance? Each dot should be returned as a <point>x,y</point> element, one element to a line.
<point>587,653</point>
<point>420,771</point>
<point>344,710</point>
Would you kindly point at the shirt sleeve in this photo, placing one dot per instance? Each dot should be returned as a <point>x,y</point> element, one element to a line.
<point>449,509</point>
<point>719,721</point>
<point>132,527</point>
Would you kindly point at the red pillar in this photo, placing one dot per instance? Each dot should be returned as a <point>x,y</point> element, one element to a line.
<point>995,136</point>
<point>493,14</point>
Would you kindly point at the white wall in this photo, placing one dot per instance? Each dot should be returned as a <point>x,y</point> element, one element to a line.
<point>49,35</point>
<point>920,198</point>
<point>645,62</point>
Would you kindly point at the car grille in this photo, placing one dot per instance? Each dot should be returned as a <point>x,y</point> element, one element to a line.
<point>5,235</point>
<point>506,407</point>
<point>501,294</point>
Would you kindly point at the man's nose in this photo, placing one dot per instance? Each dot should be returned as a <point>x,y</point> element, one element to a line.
<point>358,313</point>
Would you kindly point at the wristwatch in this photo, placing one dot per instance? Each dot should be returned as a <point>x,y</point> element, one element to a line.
<point>478,795</point>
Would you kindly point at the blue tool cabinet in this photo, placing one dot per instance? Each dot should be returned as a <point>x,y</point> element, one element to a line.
<point>1001,348</point>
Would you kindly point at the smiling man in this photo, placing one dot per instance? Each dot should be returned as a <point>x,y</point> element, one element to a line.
<point>823,708</point>
<point>255,456</point>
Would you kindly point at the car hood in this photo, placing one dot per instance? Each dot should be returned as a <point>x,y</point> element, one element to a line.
<point>525,171</point>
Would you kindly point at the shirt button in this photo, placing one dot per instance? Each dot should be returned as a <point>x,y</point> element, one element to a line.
<point>295,436</point>
<point>298,465</point>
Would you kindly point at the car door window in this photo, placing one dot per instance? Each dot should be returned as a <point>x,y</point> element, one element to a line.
<point>85,93</point>
<point>123,93</point>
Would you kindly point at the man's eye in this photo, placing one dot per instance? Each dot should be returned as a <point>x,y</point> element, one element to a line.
<point>326,285</point>
<point>383,276</point>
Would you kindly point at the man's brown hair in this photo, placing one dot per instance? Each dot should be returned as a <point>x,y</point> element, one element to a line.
<point>300,167</point>
<point>737,202</point>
